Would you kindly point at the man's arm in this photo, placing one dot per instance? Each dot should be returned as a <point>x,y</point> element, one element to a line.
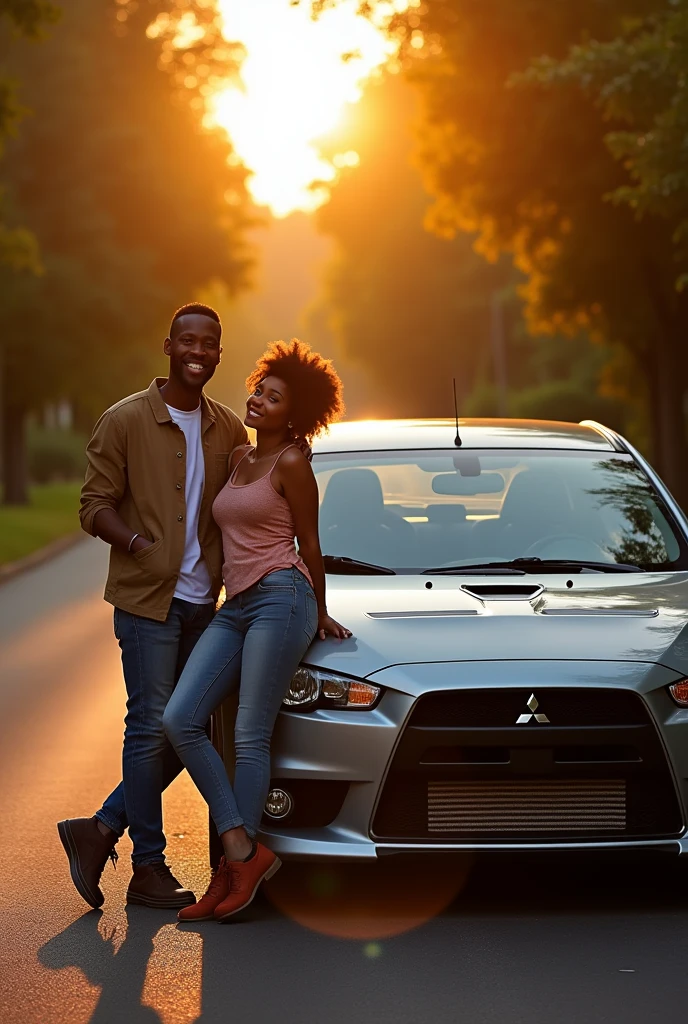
<point>104,486</point>
<point>110,527</point>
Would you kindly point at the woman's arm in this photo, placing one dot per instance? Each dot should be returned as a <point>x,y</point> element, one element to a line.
<point>297,483</point>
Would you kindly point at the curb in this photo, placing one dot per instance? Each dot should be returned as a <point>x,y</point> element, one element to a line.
<point>36,558</point>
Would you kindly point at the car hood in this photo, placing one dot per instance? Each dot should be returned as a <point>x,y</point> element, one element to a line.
<point>398,620</point>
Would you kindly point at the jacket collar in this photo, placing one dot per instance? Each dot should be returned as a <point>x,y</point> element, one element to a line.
<point>161,412</point>
<point>157,402</point>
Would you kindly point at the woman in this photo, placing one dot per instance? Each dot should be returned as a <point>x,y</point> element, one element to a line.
<point>275,605</point>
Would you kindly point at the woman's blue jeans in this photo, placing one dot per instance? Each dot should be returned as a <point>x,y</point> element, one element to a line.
<point>255,644</point>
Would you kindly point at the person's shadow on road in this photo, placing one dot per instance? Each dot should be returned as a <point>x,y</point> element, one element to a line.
<point>121,973</point>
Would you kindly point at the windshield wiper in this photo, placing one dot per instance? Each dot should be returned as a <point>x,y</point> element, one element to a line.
<point>532,564</point>
<point>342,565</point>
<point>476,569</point>
<point>578,563</point>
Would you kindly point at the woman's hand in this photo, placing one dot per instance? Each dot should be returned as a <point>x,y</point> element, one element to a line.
<point>327,626</point>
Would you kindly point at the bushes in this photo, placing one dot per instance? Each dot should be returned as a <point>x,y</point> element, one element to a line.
<point>568,401</point>
<point>55,455</point>
<point>563,400</point>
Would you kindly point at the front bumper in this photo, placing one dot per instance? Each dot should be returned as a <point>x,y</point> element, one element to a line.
<point>357,750</point>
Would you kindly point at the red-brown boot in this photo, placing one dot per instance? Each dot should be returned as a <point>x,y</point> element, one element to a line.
<point>245,877</point>
<point>217,891</point>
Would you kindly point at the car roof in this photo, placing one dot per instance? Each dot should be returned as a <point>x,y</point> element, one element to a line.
<point>401,435</point>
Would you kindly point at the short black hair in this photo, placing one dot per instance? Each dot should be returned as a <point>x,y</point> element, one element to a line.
<point>200,309</point>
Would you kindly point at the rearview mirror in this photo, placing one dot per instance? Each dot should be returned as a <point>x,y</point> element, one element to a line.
<point>453,483</point>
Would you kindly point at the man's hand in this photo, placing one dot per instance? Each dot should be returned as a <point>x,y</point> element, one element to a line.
<point>304,447</point>
<point>110,527</point>
<point>139,544</point>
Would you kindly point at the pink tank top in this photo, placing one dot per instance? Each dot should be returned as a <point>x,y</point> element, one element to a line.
<point>257,531</point>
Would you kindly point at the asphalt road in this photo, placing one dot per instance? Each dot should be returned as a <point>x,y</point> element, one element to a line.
<point>497,940</point>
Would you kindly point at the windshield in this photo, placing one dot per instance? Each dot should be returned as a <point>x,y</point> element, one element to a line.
<point>414,510</point>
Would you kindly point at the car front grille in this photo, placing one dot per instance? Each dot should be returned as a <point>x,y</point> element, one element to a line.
<point>468,768</point>
<point>513,806</point>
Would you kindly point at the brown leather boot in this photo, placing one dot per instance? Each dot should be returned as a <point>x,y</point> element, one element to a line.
<point>154,885</point>
<point>88,851</point>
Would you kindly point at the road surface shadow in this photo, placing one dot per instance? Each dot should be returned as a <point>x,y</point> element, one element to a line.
<point>575,882</point>
<point>120,973</point>
<point>406,940</point>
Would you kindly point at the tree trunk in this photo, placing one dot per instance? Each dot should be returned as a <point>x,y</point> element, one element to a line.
<point>666,369</point>
<point>670,444</point>
<point>15,471</point>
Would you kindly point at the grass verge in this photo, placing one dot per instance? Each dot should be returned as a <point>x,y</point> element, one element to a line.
<point>52,513</point>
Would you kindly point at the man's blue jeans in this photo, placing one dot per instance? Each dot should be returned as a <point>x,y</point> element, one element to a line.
<point>153,657</point>
<point>255,644</point>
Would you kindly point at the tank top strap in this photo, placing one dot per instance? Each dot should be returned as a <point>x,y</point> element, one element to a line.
<point>249,448</point>
<point>279,456</point>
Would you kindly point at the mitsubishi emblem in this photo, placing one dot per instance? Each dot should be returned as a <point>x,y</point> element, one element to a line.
<point>533,704</point>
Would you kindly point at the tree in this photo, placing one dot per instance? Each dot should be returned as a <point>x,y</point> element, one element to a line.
<point>639,80</point>
<point>135,207</point>
<point>26,17</point>
<point>411,309</point>
<point>528,168</point>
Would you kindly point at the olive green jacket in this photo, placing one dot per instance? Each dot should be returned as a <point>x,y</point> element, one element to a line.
<point>137,466</point>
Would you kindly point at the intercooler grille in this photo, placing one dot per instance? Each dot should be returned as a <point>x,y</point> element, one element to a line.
<point>543,805</point>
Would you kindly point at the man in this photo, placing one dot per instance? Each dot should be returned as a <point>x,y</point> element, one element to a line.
<point>156,461</point>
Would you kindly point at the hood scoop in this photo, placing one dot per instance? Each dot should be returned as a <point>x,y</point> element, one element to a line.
<point>503,591</point>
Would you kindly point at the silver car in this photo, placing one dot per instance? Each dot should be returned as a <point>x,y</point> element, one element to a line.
<point>517,675</point>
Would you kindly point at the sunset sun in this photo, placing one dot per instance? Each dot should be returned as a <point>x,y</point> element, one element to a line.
<point>296,80</point>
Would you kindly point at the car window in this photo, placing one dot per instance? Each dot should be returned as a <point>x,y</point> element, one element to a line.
<point>422,509</point>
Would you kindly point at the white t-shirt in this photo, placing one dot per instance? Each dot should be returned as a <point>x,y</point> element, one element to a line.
<point>194,579</point>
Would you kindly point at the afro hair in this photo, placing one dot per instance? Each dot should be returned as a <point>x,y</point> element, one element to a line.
<point>316,389</point>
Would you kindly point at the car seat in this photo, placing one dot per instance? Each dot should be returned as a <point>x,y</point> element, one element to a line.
<point>537,505</point>
<point>354,521</point>
<point>446,536</point>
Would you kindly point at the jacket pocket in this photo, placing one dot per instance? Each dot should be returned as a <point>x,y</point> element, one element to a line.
<point>221,470</point>
<point>152,561</point>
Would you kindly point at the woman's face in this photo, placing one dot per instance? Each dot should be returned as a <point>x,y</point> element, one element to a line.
<point>269,407</point>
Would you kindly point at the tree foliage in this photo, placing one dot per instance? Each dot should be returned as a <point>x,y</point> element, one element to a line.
<point>135,206</point>
<point>18,247</point>
<point>526,164</point>
<point>411,309</point>
<point>639,80</point>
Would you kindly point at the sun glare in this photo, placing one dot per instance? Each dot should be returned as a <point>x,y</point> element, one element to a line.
<point>296,80</point>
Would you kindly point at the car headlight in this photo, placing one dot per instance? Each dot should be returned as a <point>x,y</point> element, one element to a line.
<point>679,691</point>
<point>313,686</point>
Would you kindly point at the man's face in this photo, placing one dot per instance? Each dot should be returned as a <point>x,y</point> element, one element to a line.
<point>194,349</point>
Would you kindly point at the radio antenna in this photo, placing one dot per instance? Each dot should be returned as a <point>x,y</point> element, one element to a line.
<point>457,440</point>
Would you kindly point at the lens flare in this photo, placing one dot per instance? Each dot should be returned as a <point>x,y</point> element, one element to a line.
<point>369,902</point>
<point>297,78</point>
